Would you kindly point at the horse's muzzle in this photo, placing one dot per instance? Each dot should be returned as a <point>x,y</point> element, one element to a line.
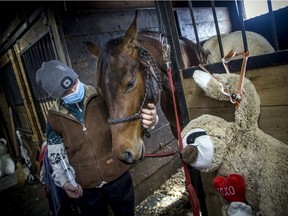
<point>130,159</point>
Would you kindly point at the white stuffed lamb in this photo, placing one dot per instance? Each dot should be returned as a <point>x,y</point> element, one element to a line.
<point>257,45</point>
<point>239,148</point>
<point>7,165</point>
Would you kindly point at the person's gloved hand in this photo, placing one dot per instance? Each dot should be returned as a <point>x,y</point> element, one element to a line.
<point>149,116</point>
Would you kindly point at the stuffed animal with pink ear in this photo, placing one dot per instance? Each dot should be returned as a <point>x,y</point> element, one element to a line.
<point>238,148</point>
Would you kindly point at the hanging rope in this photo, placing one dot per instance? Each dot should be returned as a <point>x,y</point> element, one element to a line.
<point>189,187</point>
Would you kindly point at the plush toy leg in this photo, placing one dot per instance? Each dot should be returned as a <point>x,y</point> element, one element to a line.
<point>239,209</point>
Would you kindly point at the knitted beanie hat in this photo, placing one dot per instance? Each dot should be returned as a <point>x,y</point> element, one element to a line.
<point>56,78</point>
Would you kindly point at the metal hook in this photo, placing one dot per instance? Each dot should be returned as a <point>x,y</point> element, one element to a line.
<point>146,133</point>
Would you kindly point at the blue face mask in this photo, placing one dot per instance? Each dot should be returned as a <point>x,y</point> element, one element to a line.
<point>76,96</point>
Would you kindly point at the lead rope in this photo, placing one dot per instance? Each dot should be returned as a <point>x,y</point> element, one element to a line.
<point>189,187</point>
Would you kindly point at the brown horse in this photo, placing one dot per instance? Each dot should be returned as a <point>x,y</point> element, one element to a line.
<point>130,73</point>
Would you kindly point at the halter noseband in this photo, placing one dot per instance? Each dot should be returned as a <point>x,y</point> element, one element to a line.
<point>154,73</point>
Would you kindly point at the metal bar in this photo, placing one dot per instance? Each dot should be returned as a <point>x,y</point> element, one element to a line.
<point>169,27</point>
<point>195,28</point>
<point>161,30</point>
<point>273,26</point>
<point>255,62</point>
<point>30,59</point>
<point>239,5</point>
<point>217,28</point>
<point>39,50</point>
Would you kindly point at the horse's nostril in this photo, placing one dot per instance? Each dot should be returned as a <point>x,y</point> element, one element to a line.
<point>129,157</point>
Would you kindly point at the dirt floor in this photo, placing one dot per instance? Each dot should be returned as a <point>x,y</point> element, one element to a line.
<point>29,200</point>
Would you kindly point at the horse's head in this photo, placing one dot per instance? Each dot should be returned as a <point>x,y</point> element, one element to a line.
<point>127,83</point>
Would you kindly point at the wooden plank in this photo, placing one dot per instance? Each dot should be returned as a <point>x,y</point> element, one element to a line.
<point>149,166</point>
<point>271,84</point>
<point>213,202</point>
<point>8,181</point>
<point>78,51</point>
<point>4,59</point>
<point>100,5</point>
<point>149,185</point>
<point>225,113</point>
<point>274,121</point>
<point>98,22</point>
<point>160,136</point>
<point>99,27</point>
<point>159,139</point>
<point>13,130</point>
<point>86,71</point>
<point>33,34</point>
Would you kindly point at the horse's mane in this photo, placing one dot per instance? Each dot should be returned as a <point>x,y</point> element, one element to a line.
<point>157,35</point>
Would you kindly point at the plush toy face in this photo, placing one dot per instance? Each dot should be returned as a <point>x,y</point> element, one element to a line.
<point>198,138</point>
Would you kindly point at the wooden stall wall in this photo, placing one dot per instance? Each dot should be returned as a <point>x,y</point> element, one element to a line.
<point>271,85</point>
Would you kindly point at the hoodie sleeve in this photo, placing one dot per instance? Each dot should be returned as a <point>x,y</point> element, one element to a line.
<point>55,148</point>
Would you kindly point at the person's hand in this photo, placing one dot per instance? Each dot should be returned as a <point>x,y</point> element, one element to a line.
<point>73,192</point>
<point>149,116</point>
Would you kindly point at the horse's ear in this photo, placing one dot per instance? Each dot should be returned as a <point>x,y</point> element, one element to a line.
<point>93,48</point>
<point>131,33</point>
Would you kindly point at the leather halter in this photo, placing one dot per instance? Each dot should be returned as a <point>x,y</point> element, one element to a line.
<point>152,75</point>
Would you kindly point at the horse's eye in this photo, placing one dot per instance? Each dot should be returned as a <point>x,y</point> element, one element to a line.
<point>131,84</point>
